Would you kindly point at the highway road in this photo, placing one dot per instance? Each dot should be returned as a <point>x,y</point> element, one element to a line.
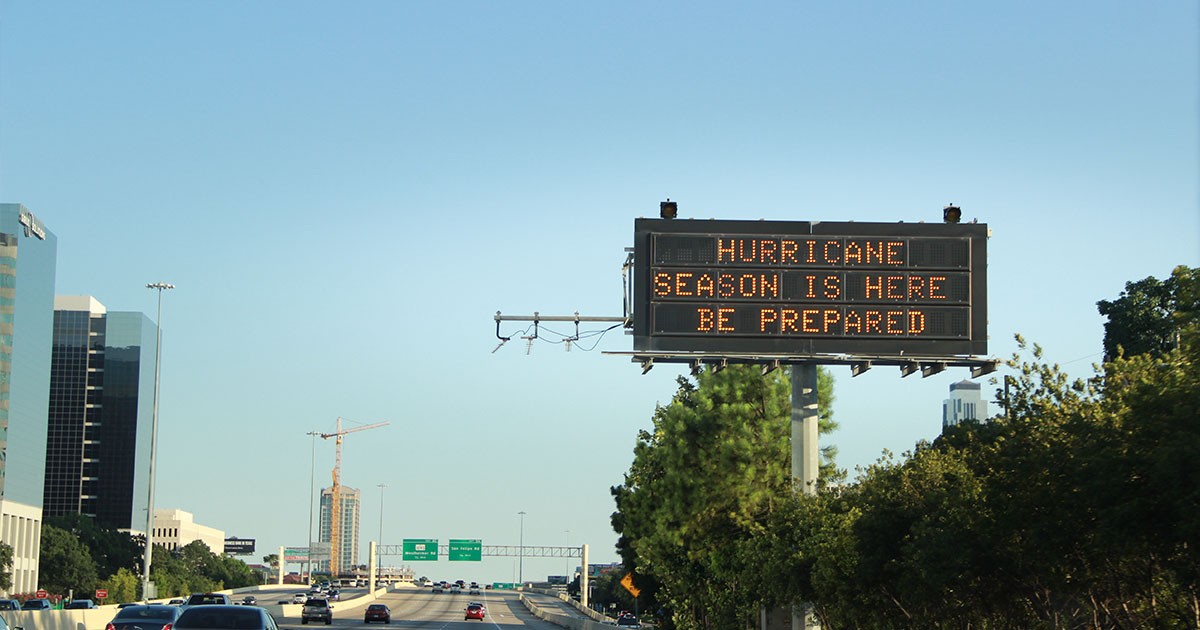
<point>419,608</point>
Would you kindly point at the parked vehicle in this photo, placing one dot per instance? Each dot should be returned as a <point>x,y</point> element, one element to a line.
<point>222,617</point>
<point>10,604</point>
<point>36,604</point>
<point>80,604</point>
<point>145,617</point>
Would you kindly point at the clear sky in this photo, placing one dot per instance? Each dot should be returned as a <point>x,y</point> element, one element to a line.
<point>346,193</point>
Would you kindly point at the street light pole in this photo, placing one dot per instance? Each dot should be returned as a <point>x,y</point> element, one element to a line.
<point>312,484</point>
<point>380,545</point>
<point>147,585</point>
<point>521,552</point>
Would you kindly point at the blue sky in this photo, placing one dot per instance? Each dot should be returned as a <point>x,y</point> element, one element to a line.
<point>346,193</point>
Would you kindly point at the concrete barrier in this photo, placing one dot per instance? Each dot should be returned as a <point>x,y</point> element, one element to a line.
<point>560,619</point>
<point>98,618</point>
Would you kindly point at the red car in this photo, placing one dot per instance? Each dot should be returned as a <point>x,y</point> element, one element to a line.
<point>377,612</point>
<point>474,611</point>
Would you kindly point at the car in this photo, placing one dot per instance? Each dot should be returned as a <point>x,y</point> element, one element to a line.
<point>455,589</point>
<point>437,587</point>
<point>249,600</point>
<point>225,617</point>
<point>317,609</point>
<point>36,604</point>
<point>334,594</point>
<point>145,617</point>
<point>474,611</point>
<point>377,612</point>
<point>628,621</point>
<point>474,590</point>
<point>80,604</point>
<point>208,599</point>
<point>176,602</point>
<point>299,598</point>
<point>10,604</point>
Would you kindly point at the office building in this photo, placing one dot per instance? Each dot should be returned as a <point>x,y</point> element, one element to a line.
<point>28,253</point>
<point>175,528</point>
<point>966,404</point>
<point>101,399</point>
<point>348,529</point>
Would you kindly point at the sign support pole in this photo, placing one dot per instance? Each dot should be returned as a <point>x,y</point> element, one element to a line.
<point>806,459</point>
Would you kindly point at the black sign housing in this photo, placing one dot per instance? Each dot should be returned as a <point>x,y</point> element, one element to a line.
<point>810,288</point>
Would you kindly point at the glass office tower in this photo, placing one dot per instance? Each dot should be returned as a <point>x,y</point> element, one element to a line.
<point>28,254</point>
<point>101,397</point>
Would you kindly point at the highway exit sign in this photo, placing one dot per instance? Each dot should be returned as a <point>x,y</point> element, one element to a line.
<point>466,550</point>
<point>418,549</point>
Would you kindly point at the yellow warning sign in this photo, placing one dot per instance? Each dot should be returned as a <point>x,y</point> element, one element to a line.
<point>627,582</point>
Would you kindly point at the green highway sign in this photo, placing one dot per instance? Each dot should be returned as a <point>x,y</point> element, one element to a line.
<point>504,586</point>
<point>417,549</point>
<point>466,550</point>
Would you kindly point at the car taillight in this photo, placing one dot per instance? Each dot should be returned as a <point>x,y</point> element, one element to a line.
<point>167,626</point>
<point>110,626</point>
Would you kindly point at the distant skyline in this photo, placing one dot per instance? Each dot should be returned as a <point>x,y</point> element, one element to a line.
<point>345,194</point>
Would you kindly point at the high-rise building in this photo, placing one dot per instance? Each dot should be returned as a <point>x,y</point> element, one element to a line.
<point>101,397</point>
<point>348,529</point>
<point>966,404</point>
<point>175,528</point>
<point>28,254</point>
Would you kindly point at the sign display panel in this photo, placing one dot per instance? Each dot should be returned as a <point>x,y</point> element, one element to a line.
<point>419,549</point>
<point>466,550</point>
<point>239,546</point>
<point>800,288</point>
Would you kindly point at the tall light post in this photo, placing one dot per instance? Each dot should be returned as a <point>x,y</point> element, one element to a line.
<point>147,585</point>
<point>380,543</point>
<point>312,484</point>
<point>521,551</point>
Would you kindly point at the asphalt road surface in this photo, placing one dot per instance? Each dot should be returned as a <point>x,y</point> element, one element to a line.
<point>419,608</point>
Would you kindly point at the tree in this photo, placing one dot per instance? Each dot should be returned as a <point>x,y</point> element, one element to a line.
<point>122,586</point>
<point>6,563</point>
<point>64,564</point>
<point>110,549</point>
<point>706,480</point>
<point>1146,318</point>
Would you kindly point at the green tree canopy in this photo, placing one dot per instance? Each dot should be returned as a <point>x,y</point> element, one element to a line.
<point>1151,315</point>
<point>64,564</point>
<point>707,478</point>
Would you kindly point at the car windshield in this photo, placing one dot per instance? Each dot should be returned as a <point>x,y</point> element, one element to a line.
<point>221,618</point>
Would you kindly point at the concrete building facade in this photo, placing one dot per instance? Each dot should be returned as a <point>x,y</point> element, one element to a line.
<point>966,404</point>
<point>348,532</point>
<point>175,528</point>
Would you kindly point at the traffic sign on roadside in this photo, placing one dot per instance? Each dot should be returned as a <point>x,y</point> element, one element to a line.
<point>41,593</point>
<point>466,550</point>
<point>418,549</point>
<point>627,582</point>
<point>101,593</point>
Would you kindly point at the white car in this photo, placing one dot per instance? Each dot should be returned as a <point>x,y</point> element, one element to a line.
<point>299,598</point>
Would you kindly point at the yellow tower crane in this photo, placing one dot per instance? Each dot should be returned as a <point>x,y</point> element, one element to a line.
<point>335,499</point>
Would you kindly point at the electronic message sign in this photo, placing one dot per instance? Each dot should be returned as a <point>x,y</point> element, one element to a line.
<point>810,288</point>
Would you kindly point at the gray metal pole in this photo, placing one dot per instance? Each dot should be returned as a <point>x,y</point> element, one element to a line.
<point>806,460</point>
<point>521,553</point>
<point>147,585</point>
<point>312,484</point>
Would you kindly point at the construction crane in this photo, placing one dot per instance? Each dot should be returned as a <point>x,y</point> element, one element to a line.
<point>335,499</point>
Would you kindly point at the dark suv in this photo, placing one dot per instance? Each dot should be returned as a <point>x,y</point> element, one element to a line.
<point>208,599</point>
<point>317,610</point>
